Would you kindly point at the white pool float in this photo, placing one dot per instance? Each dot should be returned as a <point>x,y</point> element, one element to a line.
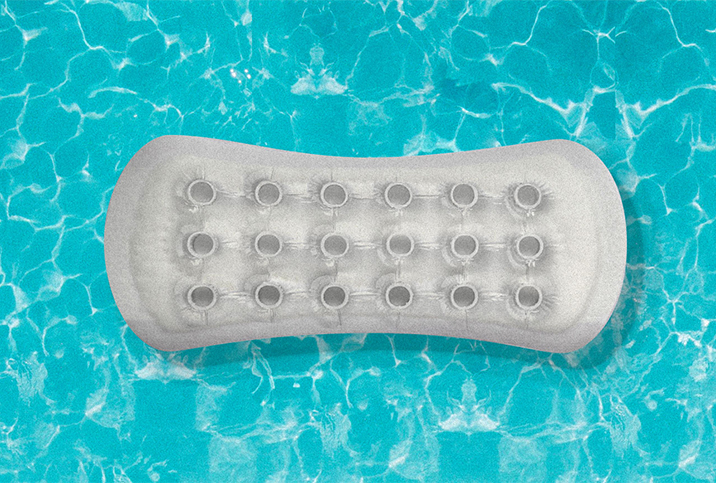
<point>209,242</point>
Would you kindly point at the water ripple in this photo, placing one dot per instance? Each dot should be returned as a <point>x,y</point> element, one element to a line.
<point>84,85</point>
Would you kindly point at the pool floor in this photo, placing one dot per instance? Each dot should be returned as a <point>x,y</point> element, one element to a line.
<point>84,85</point>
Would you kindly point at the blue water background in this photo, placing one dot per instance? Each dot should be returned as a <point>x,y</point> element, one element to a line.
<point>84,86</point>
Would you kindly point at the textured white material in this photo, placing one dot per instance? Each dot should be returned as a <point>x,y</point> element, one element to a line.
<point>208,242</point>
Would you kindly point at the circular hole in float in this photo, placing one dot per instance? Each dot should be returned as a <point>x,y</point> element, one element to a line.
<point>334,245</point>
<point>463,297</point>
<point>528,297</point>
<point>463,195</point>
<point>268,244</point>
<point>268,193</point>
<point>333,195</point>
<point>201,297</point>
<point>200,244</point>
<point>527,196</point>
<point>399,245</point>
<point>399,296</point>
<point>201,192</point>
<point>398,195</point>
<point>334,297</point>
<point>464,246</point>
<point>529,247</point>
<point>268,295</point>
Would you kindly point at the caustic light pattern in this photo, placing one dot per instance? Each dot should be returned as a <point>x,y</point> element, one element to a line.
<point>84,85</point>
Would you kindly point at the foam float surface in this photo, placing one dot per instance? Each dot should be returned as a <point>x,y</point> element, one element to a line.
<point>209,242</point>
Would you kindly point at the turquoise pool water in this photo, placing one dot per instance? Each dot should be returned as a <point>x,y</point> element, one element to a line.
<point>84,86</point>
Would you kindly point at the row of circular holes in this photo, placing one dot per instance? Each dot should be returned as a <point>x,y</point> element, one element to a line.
<point>334,245</point>
<point>398,296</point>
<point>334,195</point>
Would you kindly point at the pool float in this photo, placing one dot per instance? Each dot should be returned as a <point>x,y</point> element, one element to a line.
<point>209,242</point>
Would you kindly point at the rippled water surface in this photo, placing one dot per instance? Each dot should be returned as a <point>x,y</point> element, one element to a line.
<point>84,85</point>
